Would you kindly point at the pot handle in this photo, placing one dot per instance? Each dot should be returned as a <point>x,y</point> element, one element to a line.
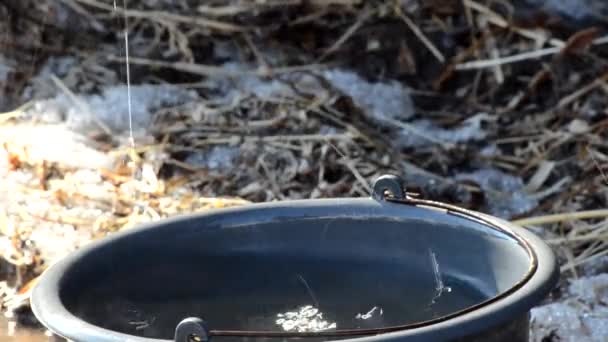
<point>391,184</point>
<point>192,329</point>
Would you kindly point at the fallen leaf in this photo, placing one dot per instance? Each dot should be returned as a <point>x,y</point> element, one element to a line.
<point>580,41</point>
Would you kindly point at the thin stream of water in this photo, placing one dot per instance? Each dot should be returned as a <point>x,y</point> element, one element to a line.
<point>128,72</point>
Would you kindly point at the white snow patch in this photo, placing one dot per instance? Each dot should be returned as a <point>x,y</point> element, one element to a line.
<point>582,316</point>
<point>53,143</point>
<point>590,289</point>
<point>469,130</point>
<point>505,194</point>
<point>389,100</point>
<point>111,107</point>
<point>574,9</point>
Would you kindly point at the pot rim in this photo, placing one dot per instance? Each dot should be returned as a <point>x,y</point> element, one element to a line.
<point>536,283</point>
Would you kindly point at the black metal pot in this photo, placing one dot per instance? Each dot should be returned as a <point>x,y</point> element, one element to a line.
<point>389,268</point>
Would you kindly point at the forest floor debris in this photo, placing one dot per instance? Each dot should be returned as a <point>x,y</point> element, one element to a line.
<point>580,316</point>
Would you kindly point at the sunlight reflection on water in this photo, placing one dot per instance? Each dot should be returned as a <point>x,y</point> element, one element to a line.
<point>306,319</point>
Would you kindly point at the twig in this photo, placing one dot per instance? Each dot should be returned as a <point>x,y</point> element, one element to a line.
<point>423,38</point>
<point>302,137</point>
<point>243,7</point>
<point>540,176</point>
<point>595,235</point>
<point>494,53</point>
<point>556,187</point>
<point>271,177</point>
<point>346,35</point>
<point>351,166</point>
<point>488,63</point>
<point>597,165</point>
<point>159,16</point>
<point>560,139</point>
<point>546,219</point>
<point>572,264</point>
<point>62,219</point>
<point>4,117</point>
<point>498,73</point>
<point>225,11</point>
<point>258,55</point>
<point>308,18</point>
<point>583,91</point>
<point>498,20</point>
<point>212,70</point>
